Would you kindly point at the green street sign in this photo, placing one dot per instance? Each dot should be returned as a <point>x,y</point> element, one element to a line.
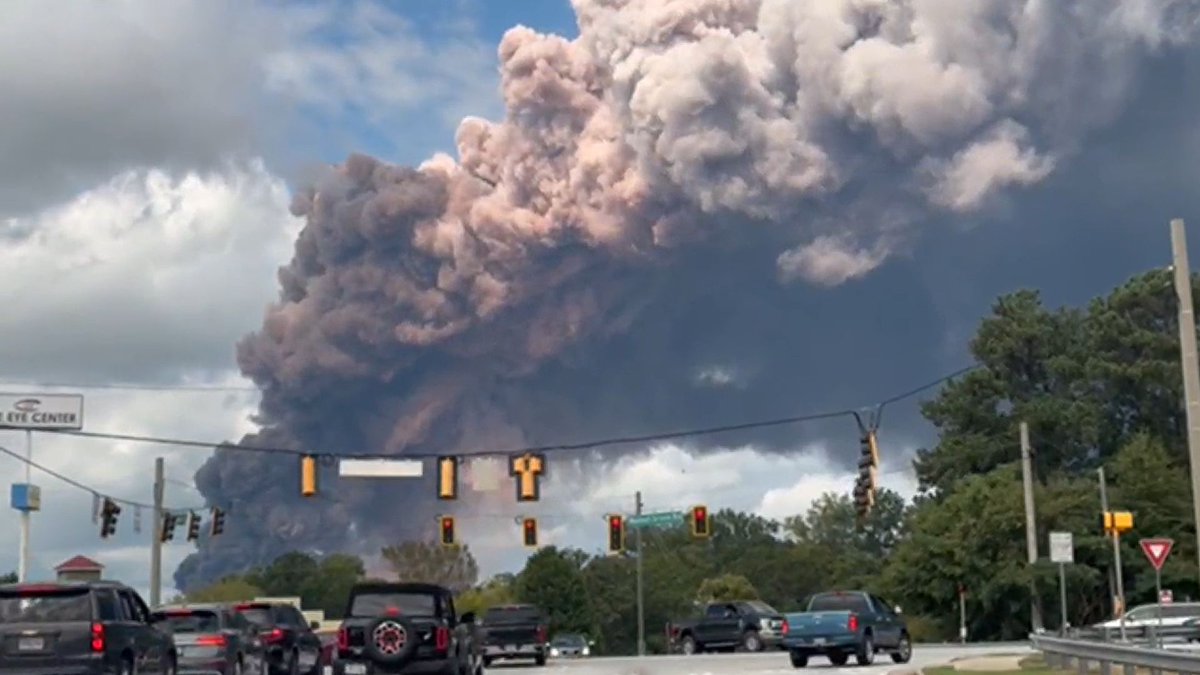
<point>664,519</point>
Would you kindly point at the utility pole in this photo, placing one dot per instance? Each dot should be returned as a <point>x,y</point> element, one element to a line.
<point>641,615</point>
<point>1116,545</point>
<point>1031,542</point>
<point>1188,360</point>
<point>156,535</point>
<point>23,563</point>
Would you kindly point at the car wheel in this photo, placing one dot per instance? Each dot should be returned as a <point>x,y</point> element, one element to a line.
<point>126,667</point>
<point>294,666</point>
<point>903,651</point>
<point>688,645</point>
<point>866,651</point>
<point>238,668</point>
<point>838,658</point>
<point>751,641</point>
<point>798,660</point>
<point>540,659</point>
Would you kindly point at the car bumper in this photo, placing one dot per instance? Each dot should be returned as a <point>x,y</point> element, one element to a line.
<point>423,667</point>
<point>820,645</point>
<point>514,651</point>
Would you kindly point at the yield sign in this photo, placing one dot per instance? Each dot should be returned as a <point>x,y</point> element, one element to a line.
<point>1157,550</point>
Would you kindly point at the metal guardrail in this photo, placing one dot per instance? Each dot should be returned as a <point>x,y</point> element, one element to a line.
<point>1150,633</point>
<point>1085,654</point>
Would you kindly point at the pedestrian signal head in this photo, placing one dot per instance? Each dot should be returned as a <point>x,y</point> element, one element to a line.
<point>616,533</point>
<point>447,530</point>
<point>701,527</point>
<point>529,532</point>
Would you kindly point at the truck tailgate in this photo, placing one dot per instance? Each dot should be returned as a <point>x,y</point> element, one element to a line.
<point>819,624</point>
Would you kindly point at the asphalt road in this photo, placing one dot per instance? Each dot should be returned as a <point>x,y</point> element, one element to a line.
<point>773,663</point>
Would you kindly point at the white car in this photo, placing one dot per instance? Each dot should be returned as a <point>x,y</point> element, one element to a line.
<point>1173,614</point>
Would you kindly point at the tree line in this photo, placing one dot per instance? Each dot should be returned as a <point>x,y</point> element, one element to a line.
<point>1099,386</point>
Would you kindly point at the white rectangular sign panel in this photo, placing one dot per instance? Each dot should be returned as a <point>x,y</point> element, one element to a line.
<point>41,411</point>
<point>1062,547</point>
<point>381,468</point>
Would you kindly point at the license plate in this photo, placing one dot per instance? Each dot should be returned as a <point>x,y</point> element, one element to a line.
<point>818,641</point>
<point>355,669</point>
<point>31,644</point>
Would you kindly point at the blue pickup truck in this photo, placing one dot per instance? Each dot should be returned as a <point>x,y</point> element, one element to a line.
<point>841,623</point>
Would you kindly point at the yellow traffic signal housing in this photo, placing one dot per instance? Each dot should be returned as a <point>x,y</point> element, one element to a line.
<point>616,533</point>
<point>218,522</point>
<point>447,478</point>
<point>1116,522</point>
<point>447,530</point>
<point>528,470</point>
<point>701,526</point>
<point>529,532</point>
<point>308,476</point>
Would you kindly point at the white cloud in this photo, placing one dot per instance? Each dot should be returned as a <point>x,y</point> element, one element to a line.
<point>125,470</point>
<point>143,277</point>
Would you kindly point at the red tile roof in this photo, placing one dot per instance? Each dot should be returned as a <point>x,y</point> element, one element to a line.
<point>79,564</point>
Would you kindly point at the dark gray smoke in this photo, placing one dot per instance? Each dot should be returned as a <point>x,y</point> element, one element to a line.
<point>615,255</point>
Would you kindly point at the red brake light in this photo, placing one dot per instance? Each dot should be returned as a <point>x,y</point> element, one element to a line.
<point>210,641</point>
<point>97,637</point>
<point>786,628</point>
<point>442,638</point>
<point>541,633</point>
<point>242,608</point>
<point>275,635</point>
<point>343,639</point>
<point>852,624</point>
<point>392,611</point>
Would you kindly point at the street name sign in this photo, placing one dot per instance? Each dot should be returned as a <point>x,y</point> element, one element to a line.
<point>663,519</point>
<point>41,411</point>
<point>1062,547</point>
<point>380,468</point>
<point>1157,550</point>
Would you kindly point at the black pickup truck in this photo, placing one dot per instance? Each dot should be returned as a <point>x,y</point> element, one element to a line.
<point>405,629</point>
<point>747,624</point>
<point>841,623</point>
<point>515,632</point>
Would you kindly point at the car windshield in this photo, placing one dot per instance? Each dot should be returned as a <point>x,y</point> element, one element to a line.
<point>381,604</point>
<point>189,621</point>
<point>52,605</point>
<point>259,616</point>
<point>501,615</point>
<point>761,607</point>
<point>838,602</point>
<point>568,641</point>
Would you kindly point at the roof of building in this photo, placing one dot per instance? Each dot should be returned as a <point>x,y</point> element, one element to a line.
<point>79,564</point>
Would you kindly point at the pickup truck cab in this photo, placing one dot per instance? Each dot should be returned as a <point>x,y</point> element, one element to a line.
<point>841,623</point>
<point>749,624</point>
<point>515,632</point>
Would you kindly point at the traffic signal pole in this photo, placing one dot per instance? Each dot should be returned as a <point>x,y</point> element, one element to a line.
<point>1031,542</point>
<point>23,561</point>
<point>156,535</point>
<point>1188,358</point>
<point>641,615</point>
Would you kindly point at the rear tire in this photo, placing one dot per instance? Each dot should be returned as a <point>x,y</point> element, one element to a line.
<point>540,659</point>
<point>688,645</point>
<point>866,651</point>
<point>751,641</point>
<point>903,651</point>
<point>798,660</point>
<point>838,658</point>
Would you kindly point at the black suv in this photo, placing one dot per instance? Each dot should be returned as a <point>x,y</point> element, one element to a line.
<point>405,629</point>
<point>80,628</point>
<point>289,643</point>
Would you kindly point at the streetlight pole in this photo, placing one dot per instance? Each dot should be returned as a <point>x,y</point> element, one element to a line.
<point>1188,360</point>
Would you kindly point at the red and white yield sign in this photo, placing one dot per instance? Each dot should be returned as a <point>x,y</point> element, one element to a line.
<point>1157,550</point>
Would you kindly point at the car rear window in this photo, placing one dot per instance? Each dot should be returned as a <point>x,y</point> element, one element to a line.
<point>190,621</point>
<point>501,615</point>
<point>838,602</point>
<point>381,604</point>
<point>50,605</point>
<point>258,615</point>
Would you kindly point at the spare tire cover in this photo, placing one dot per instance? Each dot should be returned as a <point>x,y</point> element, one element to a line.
<point>391,640</point>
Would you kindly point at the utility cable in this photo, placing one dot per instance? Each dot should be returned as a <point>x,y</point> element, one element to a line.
<point>540,449</point>
<point>117,386</point>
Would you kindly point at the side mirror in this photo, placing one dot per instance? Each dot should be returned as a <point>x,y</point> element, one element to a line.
<point>591,643</point>
<point>467,617</point>
<point>898,610</point>
<point>315,625</point>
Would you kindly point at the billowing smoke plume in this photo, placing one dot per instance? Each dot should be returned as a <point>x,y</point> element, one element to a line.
<point>574,272</point>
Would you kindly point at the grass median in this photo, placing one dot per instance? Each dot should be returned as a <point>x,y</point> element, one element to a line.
<point>1028,665</point>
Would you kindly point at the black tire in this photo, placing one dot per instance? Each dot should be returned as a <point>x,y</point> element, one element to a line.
<point>294,664</point>
<point>540,659</point>
<point>798,660</point>
<point>170,666</point>
<point>239,668</point>
<point>487,662</point>
<point>126,665</point>
<point>838,658</point>
<point>865,655</point>
<point>903,651</point>
<point>689,646</point>
<point>751,642</point>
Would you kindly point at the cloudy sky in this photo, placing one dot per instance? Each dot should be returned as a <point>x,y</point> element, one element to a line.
<point>149,163</point>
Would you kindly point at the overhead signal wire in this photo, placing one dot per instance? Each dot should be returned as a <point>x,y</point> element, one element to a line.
<point>117,386</point>
<point>540,449</point>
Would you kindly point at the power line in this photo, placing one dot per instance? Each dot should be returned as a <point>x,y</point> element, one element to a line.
<point>116,386</point>
<point>82,486</point>
<point>540,449</point>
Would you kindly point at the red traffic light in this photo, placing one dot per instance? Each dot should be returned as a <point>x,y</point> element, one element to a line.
<point>700,525</point>
<point>447,530</point>
<point>530,527</point>
<point>616,533</point>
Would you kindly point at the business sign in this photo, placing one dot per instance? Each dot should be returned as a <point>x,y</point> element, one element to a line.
<point>1062,547</point>
<point>41,411</point>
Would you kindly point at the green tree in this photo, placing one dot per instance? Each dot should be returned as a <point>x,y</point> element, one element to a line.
<point>724,588</point>
<point>451,566</point>
<point>10,578</point>
<point>496,591</point>
<point>231,589</point>
<point>553,581</point>
<point>320,582</point>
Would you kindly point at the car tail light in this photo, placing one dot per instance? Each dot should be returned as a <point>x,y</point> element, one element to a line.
<point>275,635</point>
<point>786,628</point>
<point>441,638</point>
<point>210,641</point>
<point>852,624</point>
<point>98,637</point>
<point>343,639</point>
<point>541,633</point>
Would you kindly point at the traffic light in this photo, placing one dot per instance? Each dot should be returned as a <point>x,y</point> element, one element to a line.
<point>447,478</point>
<point>108,518</point>
<point>1116,522</point>
<point>529,530</point>
<point>169,521</point>
<point>616,533</point>
<point>447,528</point>
<point>701,527</point>
<point>193,526</point>
<point>308,476</point>
<point>868,466</point>
<point>218,522</point>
